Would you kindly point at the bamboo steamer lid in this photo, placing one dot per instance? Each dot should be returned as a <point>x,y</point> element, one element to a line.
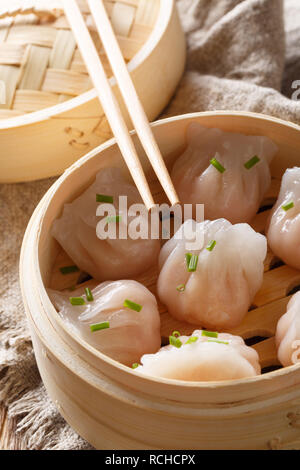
<point>50,115</point>
<point>113,406</point>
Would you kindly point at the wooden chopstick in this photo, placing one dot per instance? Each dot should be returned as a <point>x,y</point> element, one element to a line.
<point>107,99</point>
<point>130,96</point>
<point>128,92</point>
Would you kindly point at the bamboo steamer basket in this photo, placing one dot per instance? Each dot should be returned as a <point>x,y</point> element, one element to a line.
<point>51,116</point>
<point>112,406</point>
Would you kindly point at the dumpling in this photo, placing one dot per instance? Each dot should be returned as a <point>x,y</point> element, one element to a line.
<point>110,258</point>
<point>288,333</point>
<point>237,192</point>
<point>124,333</point>
<point>229,272</point>
<point>284,229</point>
<point>203,358</point>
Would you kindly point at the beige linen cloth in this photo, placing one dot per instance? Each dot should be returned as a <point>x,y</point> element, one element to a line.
<point>242,55</point>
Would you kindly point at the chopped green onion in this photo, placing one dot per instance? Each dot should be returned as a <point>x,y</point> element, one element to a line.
<point>176,334</point>
<point>188,259</point>
<point>113,218</point>
<point>175,341</point>
<point>252,162</point>
<point>89,295</point>
<point>217,341</point>
<point>77,301</point>
<point>211,245</point>
<point>193,264</point>
<point>135,365</point>
<point>289,206</point>
<point>104,198</point>
<point>217,165</point>
<point>72,288</point>
<point>181,288</point>
<point>192,339</point>
<point>99,326</point>
<point>210,334</point>
<point>69,269</point>
<point>132,305</point>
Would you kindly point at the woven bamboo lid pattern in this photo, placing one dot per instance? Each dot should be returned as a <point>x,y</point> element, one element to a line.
<point>40,64</point>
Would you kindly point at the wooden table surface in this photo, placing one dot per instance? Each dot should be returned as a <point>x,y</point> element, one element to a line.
<point>3,429</point>
<point>4,434</point>
<point>8,438</point>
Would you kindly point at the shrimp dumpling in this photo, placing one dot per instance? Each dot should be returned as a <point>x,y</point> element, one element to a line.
<point>235,193</point>
<point>127,333</point>
<point>288,333</point>
<point>203,358</point>
<point>229,272</point>
<point>284,229</point>
<point>110,258</point>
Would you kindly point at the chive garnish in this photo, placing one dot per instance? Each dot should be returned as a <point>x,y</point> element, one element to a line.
<point>211,245</point>
<point>217,341</point>
<point>188,259</point>
<point>104,198</point>
<point>89,295</point>
<point>176,334</point>
<point>252,162</point>
<point>217,165</point>
<point>193,264</point>
<point>181,288</point>
<point>192,339</point>
<point>99,326</point>
<point>113,218</point>
<point>288,206</point>
<point>210,334</point>
<point>175,341</point>
<point>135,365</point>
<point>77,301</point>
<point>132,305</point>
<point>69,269</point>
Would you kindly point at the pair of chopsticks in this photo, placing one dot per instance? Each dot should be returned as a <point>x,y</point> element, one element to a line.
<point>109,102</point>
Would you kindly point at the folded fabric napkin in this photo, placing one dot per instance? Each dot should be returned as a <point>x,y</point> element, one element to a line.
<point>242,55</point>
<point>239,57</point>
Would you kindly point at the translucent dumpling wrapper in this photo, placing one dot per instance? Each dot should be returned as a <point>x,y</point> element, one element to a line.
<point>130,334</point>
<point>105,259</point>
<point>288,333</point>
<point>284,230</point>
<point>237,193</point>
<point>228,275</point>
<point>203,358</point>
